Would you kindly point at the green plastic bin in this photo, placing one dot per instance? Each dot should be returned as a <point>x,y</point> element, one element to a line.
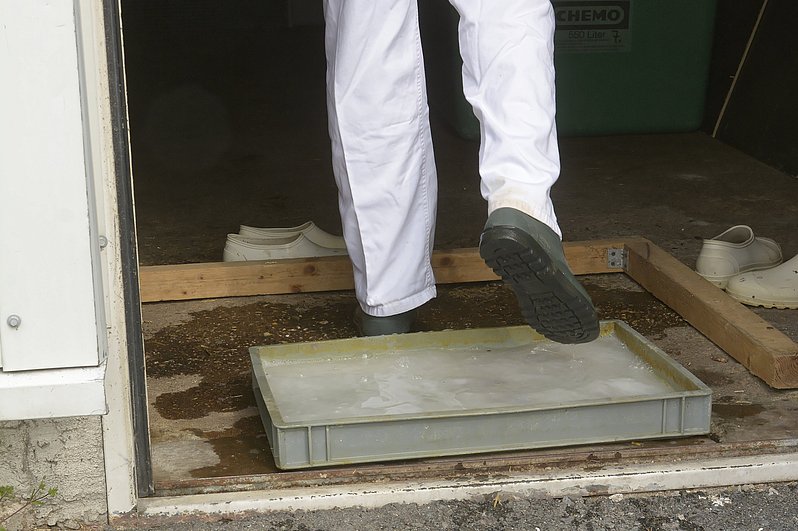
<point>623,66</point>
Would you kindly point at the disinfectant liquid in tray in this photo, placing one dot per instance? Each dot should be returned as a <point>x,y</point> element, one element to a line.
<point>454,392</point>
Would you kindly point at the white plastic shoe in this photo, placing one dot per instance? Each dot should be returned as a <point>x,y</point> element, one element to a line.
<point>736,251</point>
<point>309,229</point>
<point>239,248</point>
<point>771,288</point>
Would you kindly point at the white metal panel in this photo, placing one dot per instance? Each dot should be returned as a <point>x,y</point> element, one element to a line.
<point>54,393</point>
<point>46,270</point>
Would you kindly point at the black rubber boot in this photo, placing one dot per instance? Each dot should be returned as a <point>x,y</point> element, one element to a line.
<point>369,325</point>
<point>528,255</point>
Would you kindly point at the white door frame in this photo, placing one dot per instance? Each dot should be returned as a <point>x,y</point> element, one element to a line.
<point>126,439</point>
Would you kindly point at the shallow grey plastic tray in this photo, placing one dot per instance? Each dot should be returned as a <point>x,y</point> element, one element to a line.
<point>468,391</point>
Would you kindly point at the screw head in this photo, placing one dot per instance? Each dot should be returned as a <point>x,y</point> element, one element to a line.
<point>14,321</point>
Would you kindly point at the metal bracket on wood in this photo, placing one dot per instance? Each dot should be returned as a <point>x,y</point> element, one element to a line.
<point>616,258</point>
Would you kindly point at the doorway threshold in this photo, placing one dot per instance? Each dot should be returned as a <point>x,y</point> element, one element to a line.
<point>605,471</point>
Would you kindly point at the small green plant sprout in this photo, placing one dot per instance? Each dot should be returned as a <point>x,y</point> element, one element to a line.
<point>6,492</point>
<point>38,496</point>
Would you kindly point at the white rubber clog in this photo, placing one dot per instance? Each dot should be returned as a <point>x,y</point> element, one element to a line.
<point>772,288</point>
<point>239,248</point>
<point>311,231</point>
<point>736,251</point>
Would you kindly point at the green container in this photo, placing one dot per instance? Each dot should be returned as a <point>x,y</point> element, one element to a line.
<point>623,66</point>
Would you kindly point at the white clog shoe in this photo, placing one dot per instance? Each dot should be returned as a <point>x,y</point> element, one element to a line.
<point>772,288</point>
<point>239,248</point>
<point>736,251</point>
<point>309,229</point>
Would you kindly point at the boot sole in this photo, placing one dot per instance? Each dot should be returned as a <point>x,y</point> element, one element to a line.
<point>550,299</point>
<point>766,304</point>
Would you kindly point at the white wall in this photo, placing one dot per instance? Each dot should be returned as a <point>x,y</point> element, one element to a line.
<point>60,146</point>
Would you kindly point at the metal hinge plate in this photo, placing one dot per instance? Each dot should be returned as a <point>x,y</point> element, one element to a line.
<point>616,258</point>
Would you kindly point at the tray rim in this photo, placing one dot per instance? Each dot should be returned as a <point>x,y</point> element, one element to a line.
<point>608,327</point>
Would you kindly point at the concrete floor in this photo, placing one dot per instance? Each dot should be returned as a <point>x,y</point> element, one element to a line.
<point>219,140</point>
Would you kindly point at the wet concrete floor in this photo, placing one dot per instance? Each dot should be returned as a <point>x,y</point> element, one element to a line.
<point>203,415</point>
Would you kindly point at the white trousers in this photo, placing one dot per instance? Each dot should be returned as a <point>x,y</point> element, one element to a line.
<point>381,144</point>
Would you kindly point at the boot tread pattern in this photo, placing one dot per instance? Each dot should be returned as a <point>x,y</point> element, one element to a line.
<point>548,302</point>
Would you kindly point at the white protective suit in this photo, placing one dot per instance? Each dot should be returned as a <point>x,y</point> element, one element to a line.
<point>379,126</point>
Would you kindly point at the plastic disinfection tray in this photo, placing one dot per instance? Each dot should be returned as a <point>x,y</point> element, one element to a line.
<point>468,391</point>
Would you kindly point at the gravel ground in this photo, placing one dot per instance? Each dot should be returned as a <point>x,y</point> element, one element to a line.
<point>762,507</point>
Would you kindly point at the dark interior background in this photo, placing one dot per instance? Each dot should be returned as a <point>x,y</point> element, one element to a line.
<point>228,118</point>
<point>762,115</point>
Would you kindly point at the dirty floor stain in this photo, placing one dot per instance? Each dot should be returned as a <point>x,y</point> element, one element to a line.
<point>737,411</point>
<point>242,449</point>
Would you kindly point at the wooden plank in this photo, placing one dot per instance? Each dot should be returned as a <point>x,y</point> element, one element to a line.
<point>304,275</point>
<point>761,348</point>
<point>239,279</point>
<point>465,265</point>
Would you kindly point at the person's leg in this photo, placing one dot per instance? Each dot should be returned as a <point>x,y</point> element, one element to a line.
<point>382,150</point>
<point>508,77</point>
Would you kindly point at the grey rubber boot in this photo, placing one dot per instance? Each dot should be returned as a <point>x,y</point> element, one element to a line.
<point>528,255</point>
<point>369,325</point>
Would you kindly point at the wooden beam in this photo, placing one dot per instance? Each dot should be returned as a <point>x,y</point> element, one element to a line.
<point>332,273</point>
<point>755,343</point>
<point>240,279</point>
